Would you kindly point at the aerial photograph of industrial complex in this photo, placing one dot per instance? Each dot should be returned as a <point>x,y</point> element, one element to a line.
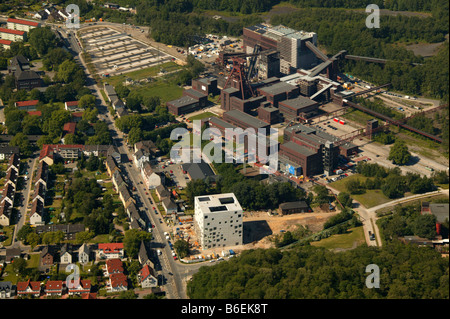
<point>220,155</point>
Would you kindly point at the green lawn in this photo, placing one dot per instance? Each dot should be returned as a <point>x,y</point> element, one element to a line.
<point>370,198</point>
<point>202,116</point>
<point>165,90</point>
<point>343,241</point>
<point>143,73</point>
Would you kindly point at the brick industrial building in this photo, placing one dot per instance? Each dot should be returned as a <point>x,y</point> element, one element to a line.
<point>290,43</point>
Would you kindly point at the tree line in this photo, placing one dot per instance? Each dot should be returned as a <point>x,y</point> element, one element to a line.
<point>316,273</point>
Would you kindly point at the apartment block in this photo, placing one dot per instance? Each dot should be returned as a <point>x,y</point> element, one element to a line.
<point>218,220</point>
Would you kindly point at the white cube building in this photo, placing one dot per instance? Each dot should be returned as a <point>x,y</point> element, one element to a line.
<point>218,220</point>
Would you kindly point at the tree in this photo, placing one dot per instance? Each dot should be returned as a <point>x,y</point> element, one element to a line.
<point>354,186</point>
<point>135,135</point>
<point>20,266</point>
<point>399,153</point>
<point>425,226</point>
<point>66,71</point>
<point>182,248</point>
<point>345,199</point>
<point>21,140</point>
<point>132,241</point>
<point>87,101</point>
<point>42,39</point>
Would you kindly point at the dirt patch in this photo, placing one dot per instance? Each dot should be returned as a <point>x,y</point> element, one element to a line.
<point>259,227</point>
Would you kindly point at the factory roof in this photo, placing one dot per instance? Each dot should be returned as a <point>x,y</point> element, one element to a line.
<point>277,88</point>
<point>298,148</point>
<point>299,102</point>
<point>248,119</point>
<point>183,101</point>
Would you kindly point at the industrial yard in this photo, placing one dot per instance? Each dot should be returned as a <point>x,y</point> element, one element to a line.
<point>113,52</point>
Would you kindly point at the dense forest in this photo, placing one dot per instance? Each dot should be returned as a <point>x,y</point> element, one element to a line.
<point>406,271</point>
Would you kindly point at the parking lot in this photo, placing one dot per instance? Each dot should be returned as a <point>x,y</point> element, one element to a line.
<point>113,52</point>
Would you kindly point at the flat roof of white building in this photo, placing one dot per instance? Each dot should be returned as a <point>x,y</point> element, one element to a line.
<point>218,203</point>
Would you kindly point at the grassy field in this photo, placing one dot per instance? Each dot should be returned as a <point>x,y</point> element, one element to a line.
<point>201,116</point>
<point>143,73</point>
<point>343,241</point>
<point>370,198</point>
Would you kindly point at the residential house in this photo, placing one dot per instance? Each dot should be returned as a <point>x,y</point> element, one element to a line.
<point>170,206</point>
<point>147,278</point>
<point>29,287</point>
<point>39,193</point>
<point>135,217</point>
<point>111,165</point>
<point>8,194</point>
<point>69,128</point>
<point>41,175</point>
<point>143,256</point>
<point>12,253</point>
<point>53,288</point>
<point>12,35</point>
<point>125,196</point>
<point>114,152</point>
<point>118,180</point>
<point>14,162</point>
<point>71,106</point>
<point>140,158</point>
<point>84,254</point>
<point>96,150</point>
<point>117,282</point>
<point>5,44</point>
<point>11,178</point>
<point>47,155</point>
<point>37,213</point>
<point>83,288</point>
<point>148,148</point>
<point>5,213</point>
<point>47,256</point>
<point>113,266</point>
<point>25,78</point>
<point>65,255</point>
<point>6,289</point>
<point>162,192</point>
<point>7,151</point>
<point>151,178</point>
<point>108,251</point>
<point>69,230</point>
<point>22,25</point>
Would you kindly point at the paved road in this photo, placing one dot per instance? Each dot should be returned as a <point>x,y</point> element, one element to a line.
<point>25,195</point>
<point>174,273</point>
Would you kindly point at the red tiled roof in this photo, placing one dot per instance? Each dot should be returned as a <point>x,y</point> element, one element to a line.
<point>47,150</point>
<point>118,279</point>
<point>27,103</point>
<point>69,127</point>
<point>72,103</point>
<point>114,265</point>
<point>19,21</point>
<point>110,248</point>
<point>5,42</point>
<point>23,285</point>
<point>54,285</point>
<point>37,113</point>
<point>77,114</point>
<point>145,272</point>
<point>91,295</point>
<point>85,287</point>
<point>12,31</point>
